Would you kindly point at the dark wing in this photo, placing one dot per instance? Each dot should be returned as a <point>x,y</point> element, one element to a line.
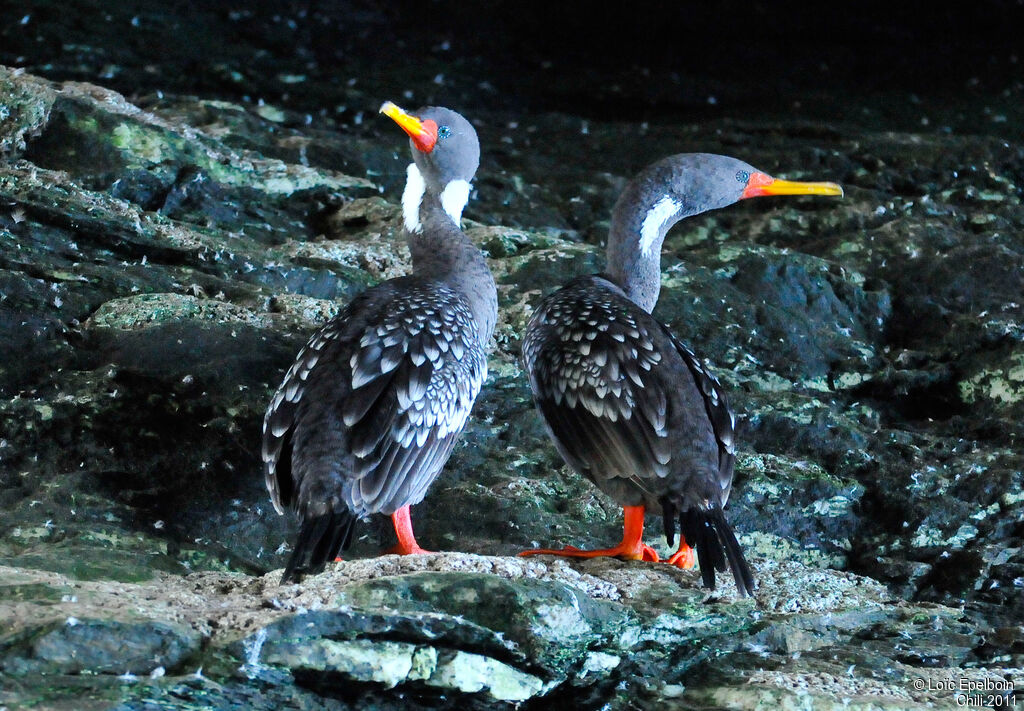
<point>631,406</point>
<point>369,412</point>
<point>716,404</point>
<point>592,367</point>
<point>279,421</point>
<point>619,391</point>
<point>401,441</point>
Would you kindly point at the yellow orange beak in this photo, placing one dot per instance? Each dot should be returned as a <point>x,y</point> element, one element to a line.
<point>422,133</point>
<point>763,184</point>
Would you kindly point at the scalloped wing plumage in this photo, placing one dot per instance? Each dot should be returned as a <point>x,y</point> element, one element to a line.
<point>632,408</point>
<point>371,409</point>
<point>608,379</point>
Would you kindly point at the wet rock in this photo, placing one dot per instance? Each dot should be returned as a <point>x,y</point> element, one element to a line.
<point>97,647</point>
<point>998,383</point>
<point>95,135</point>
<point>463,631</point>
<point>551,624</point>
<point>24,110</point>
<point>327,650</point>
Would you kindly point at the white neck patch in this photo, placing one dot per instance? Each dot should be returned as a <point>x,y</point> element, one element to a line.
<point>663,210</point>
<point>454,198</point>
<point>412,196</point>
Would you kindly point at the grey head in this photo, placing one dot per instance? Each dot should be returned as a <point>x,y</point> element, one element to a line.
<point>689,183</point>
<point>446,153</point>
<point>670,190</point>
<point>444,144</point>
<point>698,182</point>
<point>456,151</point>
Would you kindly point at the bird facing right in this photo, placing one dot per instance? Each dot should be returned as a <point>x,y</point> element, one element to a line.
<point>627,404</point>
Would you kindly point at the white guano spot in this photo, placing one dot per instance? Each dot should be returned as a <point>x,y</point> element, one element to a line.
<point>656,218</point>
<point>412,197</point>
<point>253,646</point>
<point>454,198</point>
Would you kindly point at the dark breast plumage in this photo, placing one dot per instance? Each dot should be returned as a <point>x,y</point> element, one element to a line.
<point>372,406</point>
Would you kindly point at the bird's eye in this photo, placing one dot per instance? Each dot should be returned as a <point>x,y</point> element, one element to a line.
<point>742,176</point>
<point>444,132</point>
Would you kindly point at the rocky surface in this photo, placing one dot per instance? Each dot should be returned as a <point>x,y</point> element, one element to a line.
<point>164,255</point>
<point>479,631</point>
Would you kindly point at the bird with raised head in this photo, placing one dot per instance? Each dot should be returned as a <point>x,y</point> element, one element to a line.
<point>370,410</point>
<point>627,404</point>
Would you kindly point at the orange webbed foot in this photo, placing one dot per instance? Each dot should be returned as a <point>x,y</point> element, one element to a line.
<point>407,544</point>
<point>683,558</point>
<point>632,546</point>
<point>651,555</point>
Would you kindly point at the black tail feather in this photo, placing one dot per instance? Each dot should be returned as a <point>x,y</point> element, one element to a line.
<point>668,518</point>
<point>710,535</point>
<point>320,540</point>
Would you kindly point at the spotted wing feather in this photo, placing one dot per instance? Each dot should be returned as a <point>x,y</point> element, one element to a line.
<point>716,404</point>
<point>280,419</point>
<point>592,368</point>
<point>631,407</point>
<point>610,381</point>
<point>370,410</point>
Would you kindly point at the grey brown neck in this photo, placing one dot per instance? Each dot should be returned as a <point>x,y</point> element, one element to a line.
<point>642,217</point>
<point>441,251</point>
<point>660,196</point>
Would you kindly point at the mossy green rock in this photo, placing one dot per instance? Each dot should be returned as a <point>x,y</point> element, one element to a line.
<point>425,628</point>
<point>548,622</point>
<point>321,647</point>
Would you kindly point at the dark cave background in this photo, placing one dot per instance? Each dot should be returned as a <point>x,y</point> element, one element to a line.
<point>655,61</point>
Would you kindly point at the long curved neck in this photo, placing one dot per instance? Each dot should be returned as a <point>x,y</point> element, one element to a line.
<point>642,217</point>
<point>661,195</point>
<point>441,251</point>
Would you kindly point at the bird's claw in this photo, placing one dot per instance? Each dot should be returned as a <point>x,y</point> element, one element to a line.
<point>683,558</point>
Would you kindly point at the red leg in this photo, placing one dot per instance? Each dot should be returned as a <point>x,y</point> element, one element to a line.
<point>403,529</point>
<point>684,557</point>
<point>631,548</point>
